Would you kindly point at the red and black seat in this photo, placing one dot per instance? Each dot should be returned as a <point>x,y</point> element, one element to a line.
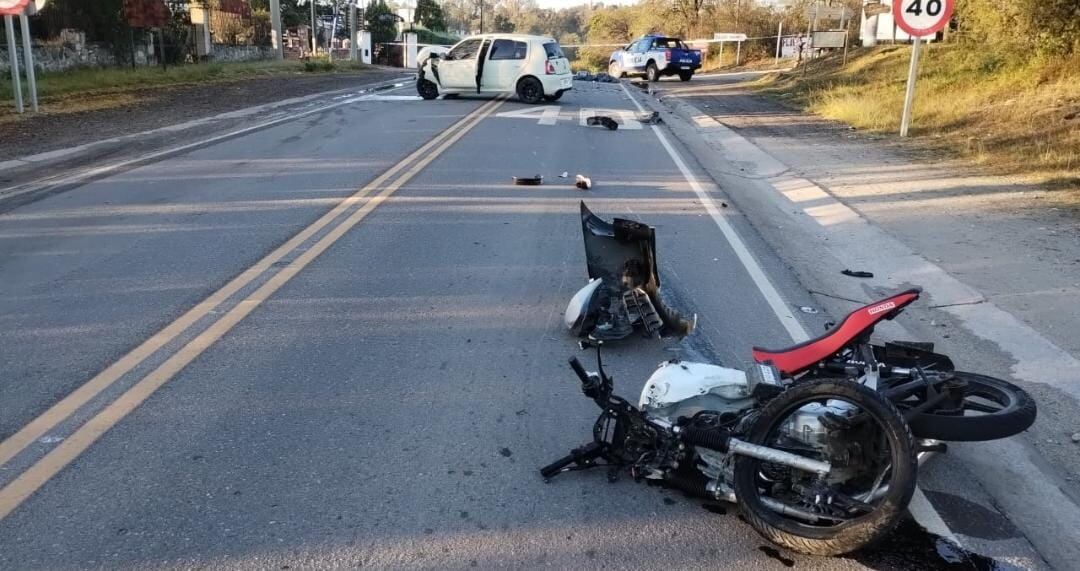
<point>798,358</point>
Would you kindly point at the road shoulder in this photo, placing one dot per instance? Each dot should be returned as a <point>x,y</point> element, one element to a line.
<point>819,234</point>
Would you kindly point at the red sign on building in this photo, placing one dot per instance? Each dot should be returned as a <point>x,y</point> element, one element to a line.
<point>146,13</point>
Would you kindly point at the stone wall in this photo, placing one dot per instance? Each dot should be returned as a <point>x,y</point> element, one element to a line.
<point>59,57</point>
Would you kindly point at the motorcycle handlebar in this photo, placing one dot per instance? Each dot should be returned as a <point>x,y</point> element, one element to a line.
<point>579,370</point>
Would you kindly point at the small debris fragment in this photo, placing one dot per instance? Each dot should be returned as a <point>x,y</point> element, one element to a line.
<point>506,452</point>
<point>583,182</point>
<point>723,205</point>
<point>808,309</point>
<point>529,180</point>
<point>564,174</point>
<point>608,122</point>
<point>1076,438</point>
<point>857,274</point>
<point>651,119</point>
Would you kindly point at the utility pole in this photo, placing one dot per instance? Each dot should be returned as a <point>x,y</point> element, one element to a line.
<point>352,32</point>
<point>779,41</point>
<point>275,29</point>
<point>314,41</point>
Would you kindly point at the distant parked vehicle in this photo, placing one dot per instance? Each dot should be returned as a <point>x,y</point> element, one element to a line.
<point>654,56</point>
<point>533,67</point>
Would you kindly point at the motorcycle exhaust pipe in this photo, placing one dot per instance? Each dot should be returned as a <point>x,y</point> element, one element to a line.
<point>721,441</point>
<point>736,446</point>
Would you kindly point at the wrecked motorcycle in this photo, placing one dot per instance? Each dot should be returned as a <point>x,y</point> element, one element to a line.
<point>937,401</point>
<point>816,443</point>
<point>623,292</point>
<point>821,467</point>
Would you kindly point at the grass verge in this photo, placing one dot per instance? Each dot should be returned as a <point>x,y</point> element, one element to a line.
<point>78,88</point>
<point>1013,112</point>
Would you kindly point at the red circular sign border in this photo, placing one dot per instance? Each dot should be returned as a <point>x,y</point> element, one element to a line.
<point>898,9</point>
<point>18,8</point>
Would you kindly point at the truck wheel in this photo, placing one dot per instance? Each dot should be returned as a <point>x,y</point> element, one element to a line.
<point>530,90</point>
<point>614,70</point>
<point>427,89</point>
<point>686,75</point>
<point>651,72</point>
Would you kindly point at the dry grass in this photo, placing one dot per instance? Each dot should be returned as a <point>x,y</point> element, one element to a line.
<point>94,88</point>
<point>1007,112</point>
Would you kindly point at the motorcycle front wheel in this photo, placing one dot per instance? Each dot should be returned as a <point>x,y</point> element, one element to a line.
<point>864,496</point>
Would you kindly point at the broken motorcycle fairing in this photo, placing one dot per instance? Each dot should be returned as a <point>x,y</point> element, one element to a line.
<point>624,287</point>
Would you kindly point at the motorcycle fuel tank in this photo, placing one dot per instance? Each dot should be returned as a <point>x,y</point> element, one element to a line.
<point>679,388</point>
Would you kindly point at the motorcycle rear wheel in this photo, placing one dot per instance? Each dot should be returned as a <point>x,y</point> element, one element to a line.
<point>991,409</point>
<point>856,532</point>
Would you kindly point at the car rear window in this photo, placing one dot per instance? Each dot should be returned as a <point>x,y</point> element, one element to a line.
<point>553,50</point>
<point>669,43</point>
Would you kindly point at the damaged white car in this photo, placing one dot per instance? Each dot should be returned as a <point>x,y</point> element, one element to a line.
<point>533,67</point>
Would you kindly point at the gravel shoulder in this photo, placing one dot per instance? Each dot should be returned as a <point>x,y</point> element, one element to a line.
<point>106,116</point>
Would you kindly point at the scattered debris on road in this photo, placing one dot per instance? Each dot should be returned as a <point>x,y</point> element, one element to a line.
<point>599,78</point>
<point>1076,438</point>
<point>651,119</point>
<point>807,309</point>
<point>608,122</point>
<point>583,182</point>
<point>857,274</point>
<point>564,174</point>
<point>529,180</point>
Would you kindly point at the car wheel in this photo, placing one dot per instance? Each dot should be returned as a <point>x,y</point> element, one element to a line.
<point>530,90</point>
<point>686,75</point>
<point>614,70</point>
<point>427,89</point>
<point>651,72</point>
<point>554,96</point>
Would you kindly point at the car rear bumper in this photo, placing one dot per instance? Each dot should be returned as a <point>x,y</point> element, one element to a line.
<point>674,68</point>
<point>556,83</point>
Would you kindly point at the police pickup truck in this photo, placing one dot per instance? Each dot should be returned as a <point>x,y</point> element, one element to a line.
<point>654,56</point>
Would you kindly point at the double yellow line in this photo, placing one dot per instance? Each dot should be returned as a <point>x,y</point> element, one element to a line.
<point>371,195</point>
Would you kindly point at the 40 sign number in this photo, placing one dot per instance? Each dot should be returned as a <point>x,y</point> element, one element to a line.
<point>922,17</point>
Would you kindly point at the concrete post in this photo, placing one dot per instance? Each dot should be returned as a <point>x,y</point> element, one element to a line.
<point>275,29</point>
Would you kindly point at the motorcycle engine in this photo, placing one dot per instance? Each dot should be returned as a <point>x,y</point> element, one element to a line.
<point>810,428</point>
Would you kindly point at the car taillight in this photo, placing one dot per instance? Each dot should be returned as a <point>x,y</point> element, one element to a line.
<point>667,55</point>
<point>549,68</point>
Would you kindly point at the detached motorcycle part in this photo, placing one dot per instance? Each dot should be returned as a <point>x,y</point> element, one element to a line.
<point>990,409</point>
<point>622,253</point>
<point>784,523</point>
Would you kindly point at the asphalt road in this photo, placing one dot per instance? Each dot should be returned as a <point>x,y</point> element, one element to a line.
<point>377,393</point>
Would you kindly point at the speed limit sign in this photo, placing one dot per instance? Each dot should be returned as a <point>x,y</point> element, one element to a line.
<point>922,17</point>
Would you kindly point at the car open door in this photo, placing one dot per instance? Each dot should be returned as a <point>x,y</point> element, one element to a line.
<point>504,63</point>
<point>457,70</point>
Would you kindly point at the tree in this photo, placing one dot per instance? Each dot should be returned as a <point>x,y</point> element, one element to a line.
<point>501,24</point>
<point>430,15</point>
<point>382,22</point>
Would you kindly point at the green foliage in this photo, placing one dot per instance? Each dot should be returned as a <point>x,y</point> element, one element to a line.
<point>382,22</point>
<point>430,15</point>
<point>1050,27</point>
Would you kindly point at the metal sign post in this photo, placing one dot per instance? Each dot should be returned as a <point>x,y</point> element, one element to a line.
<point>918,18</point>
<point>9,9</point>
<point>16,83</point>
<point>779,40</point>
<point>28,59</point>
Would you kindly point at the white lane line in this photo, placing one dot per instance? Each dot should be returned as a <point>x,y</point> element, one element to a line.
<point>768,290</point>
<point>920,507</point>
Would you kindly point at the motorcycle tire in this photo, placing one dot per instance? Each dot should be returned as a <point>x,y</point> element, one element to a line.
<point>1016,414</point>
<point>849,535</point>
